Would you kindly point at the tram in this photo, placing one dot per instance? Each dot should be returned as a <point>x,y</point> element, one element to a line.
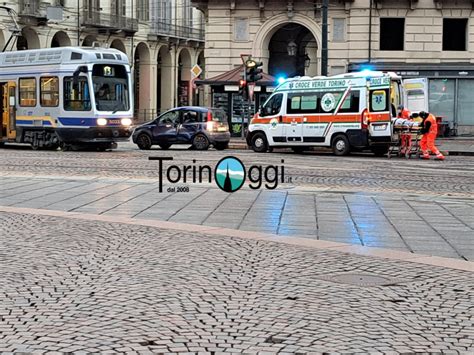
<point>67,96</point>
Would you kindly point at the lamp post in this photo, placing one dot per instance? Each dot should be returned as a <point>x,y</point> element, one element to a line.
<point>78,24</point>
<point>370,30</point>
<point>324,39</point>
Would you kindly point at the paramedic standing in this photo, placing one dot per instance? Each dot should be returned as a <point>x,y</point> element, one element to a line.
<point>403,112</point>
<point>429,130</point>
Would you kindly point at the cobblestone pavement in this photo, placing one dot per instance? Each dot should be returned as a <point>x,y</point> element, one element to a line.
<point>84,286</point>
<point>316,170</point>
<point>423,207</point>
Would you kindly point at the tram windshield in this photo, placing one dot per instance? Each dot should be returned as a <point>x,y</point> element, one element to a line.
<point>111,87</point>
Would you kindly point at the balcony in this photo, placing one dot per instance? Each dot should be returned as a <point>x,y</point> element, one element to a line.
<point>31,13</point>
<point>166,29</point>
<point>106,22</point>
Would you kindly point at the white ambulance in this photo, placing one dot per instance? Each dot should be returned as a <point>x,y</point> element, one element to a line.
<point>346,112</point>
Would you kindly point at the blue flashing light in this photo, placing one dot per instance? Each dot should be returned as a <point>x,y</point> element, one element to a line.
<point>281,79</point>
<point>365,71</point>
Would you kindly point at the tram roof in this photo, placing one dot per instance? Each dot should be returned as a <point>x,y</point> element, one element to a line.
<point>62,55</point>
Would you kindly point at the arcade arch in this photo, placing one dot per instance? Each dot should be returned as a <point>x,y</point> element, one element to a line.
<point>60,39</point>
<point>142,74</point>
<point>307,38</point>
<point>164,76</point>
<point>28,39</point>
<point>119,45</point>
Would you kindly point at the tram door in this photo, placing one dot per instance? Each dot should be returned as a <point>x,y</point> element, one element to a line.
<point>8,131</point>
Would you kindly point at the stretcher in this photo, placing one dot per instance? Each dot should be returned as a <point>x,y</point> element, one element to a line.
<point>405,138</point>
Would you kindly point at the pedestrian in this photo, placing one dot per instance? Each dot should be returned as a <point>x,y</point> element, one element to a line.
<point>429,129</point>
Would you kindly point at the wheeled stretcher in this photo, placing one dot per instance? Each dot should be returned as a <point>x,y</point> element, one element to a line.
<point>405,138</point>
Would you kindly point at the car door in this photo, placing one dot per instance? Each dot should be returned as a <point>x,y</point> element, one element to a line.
<point>166,129</point>
<point>189,125</point>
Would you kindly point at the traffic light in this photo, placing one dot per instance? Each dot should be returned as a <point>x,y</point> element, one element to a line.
<point>257,72</point>
<point>243,86</point>
<point>253,70</point>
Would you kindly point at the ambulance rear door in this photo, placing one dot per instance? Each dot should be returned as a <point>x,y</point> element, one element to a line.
<point>415,94</point>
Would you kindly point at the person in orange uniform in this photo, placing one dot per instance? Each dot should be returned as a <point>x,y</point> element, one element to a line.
<point>429,129</point>
<point>403,112</point>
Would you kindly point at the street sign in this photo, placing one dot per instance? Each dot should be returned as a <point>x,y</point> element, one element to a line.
<point>196,71</point>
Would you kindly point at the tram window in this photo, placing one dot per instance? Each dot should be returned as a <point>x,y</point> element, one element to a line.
<point>27,90</point>
<point>110,87</point>
<point>49,91</point>
<point>76,95</point>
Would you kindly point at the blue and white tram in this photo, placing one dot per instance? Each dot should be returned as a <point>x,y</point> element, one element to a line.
<point>65,96</point>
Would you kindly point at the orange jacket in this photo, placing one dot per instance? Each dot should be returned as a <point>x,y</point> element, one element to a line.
<point>430,126</point>
<point>404,114</point>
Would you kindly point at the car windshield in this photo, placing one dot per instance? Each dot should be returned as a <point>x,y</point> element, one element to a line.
<point>111,87</point>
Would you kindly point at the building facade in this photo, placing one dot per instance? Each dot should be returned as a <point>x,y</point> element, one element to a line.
<point>163,39</point>
<point>416,38</point>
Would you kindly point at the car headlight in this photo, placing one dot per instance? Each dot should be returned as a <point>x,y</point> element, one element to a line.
<point>101,122</point>
<point>126,122</point>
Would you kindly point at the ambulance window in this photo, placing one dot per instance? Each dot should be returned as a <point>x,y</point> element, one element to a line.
<point>295,102</point>
<point>351,103</point>
<point>301,103</point>
<point>378,100</point>
<point>272,106</point>
<point>309,103</point>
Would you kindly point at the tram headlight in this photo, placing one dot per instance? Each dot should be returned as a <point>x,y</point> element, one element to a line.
<point>101,122</point>
<point>126,122</point>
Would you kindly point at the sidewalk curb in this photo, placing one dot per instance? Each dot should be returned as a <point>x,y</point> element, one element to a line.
<point>460,153</point>
<point>393,255</point>
<point>238,146</point>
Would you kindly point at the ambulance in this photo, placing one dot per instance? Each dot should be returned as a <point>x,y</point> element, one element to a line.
<point>347,112</point>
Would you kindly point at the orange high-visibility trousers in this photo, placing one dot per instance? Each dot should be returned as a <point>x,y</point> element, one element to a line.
<point>427,143</point>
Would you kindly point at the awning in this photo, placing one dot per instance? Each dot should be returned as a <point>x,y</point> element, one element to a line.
<point>232,77</point>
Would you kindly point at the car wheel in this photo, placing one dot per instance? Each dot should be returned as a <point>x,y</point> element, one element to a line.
<point>340,145</point>
<point>259,143</point>
<point>200,142</point>
<point>164,146</point>
<point>144,141</point>
<point>221,145</point>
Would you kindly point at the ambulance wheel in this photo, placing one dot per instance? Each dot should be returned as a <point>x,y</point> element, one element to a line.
<point>340,145</point>
<point>259,143</point>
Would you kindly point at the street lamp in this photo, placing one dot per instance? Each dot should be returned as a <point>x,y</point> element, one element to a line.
<point>307,60</point>
<point>292,48</point>
<point>324,39</point>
